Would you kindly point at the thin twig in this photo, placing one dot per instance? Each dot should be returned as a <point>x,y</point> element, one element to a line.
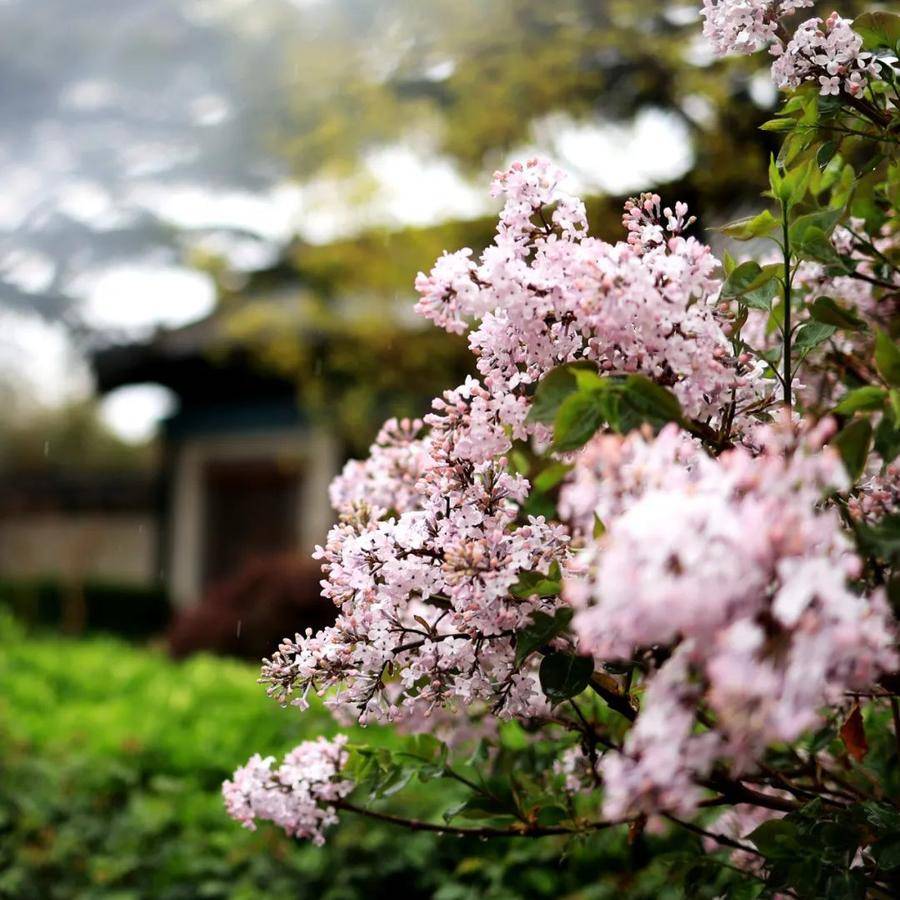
<point>523,830</point>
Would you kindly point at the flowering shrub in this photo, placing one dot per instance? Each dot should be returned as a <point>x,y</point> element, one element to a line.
<point>657,537</point>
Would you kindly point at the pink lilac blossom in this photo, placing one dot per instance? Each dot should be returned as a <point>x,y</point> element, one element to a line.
<point>663,753</point>
<point>387,479</point>
<point>826,52</point>
<point>427,618</point>
<point>574,768</point>
<point>736,824</point>
<point>745,26</point>
<point>298,796</point>
<point>546,293</point>
<point>735,563</point>
<point>877,493</point>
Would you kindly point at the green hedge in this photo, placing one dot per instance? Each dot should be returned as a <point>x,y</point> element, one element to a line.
<point>111,760</point>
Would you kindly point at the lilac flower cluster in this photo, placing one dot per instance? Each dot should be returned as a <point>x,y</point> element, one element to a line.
<point>745,26</point>
<point>546,294</point>
<point>427,616</point>
<point>827,52</point>
<point>430,542</point>
<point>298,796</point>
<point>734,565</point>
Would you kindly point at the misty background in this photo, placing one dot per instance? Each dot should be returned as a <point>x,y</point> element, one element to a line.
<point>140,136</point>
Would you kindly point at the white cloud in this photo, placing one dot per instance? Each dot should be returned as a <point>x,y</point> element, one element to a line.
<point>272,215</point>
<point>616,158</point>
<point>39,360</point>
<point>134,412</point>
<point>136,299</point>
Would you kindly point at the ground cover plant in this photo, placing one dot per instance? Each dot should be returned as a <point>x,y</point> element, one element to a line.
<point>111,761</point>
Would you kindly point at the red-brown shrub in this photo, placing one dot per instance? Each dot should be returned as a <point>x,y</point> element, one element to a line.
<point>248,614</point>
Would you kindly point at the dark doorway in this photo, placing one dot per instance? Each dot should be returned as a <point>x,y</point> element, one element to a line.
<point>251,511</point>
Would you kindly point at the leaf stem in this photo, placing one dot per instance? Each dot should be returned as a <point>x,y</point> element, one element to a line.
<point>786,353</point>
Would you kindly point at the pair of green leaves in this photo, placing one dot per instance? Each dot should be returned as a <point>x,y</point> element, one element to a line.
<point>578,401</point>
<point>789,187</point>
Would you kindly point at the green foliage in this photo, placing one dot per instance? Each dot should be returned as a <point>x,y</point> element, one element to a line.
<point>578,402</point>
<point>828,312</point>
<point>887,359</point>
<point>854,441</point>
<point>540,632</point>
<point>564,675</point>
<point>752,284</point>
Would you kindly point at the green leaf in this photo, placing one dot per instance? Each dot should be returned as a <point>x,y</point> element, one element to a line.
<point>752,226</point>
<point>811,334</point>
<point>579,416</point>
<point>531,584</point>
<point>481,806</point>
<point>824,220</point>
<point>586,376</point>
<point>853,442</point>
<point>825,154</point>
<point>816,245</point>
<point>776,839</point>
<point>564,675</point>
<point>862,399</point>
<point>887,358</point>
<point>887,853</point>
<point>782,124</point>
<point>552,475</point>
<point>824,309</point>
<point>795,183</point>
<point>552,390</point>
<point>749,276</point>
<point>775,177</point>
<point>551,815</point>
<point>762,296</point>
<point>887,436</point>
<point>881,540</point>
<point>542,630</point>
<point>878,29</point>
<point>882,816</point>
<point>651,401</point>
<point>728,263</point>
